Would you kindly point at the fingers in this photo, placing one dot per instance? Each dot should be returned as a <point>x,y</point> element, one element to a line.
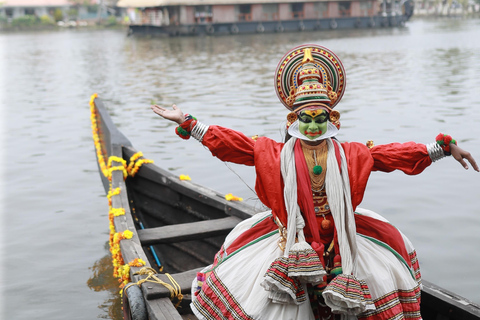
<point>466,155</point>
<point>161,110</point>
<point>463,163</point>
<point>472,162</point>
<point>158,110</point>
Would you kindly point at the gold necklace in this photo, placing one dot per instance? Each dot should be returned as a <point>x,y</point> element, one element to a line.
<point>316,159</point>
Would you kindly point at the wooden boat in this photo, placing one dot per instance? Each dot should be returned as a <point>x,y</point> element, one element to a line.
<point>217,17</point>
<point>178,226</point>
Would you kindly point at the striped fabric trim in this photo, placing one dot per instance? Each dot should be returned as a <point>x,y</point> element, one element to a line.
<point>415,265</point>
<point>278,274</point>
<point>398,304</point>
<point>304,263</point>
<point>215,301</point>
<point>261,220</point>
<point>350,289</point>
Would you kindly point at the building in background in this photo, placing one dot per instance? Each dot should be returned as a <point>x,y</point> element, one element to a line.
<point>59,10</point>
<point>188,17</point>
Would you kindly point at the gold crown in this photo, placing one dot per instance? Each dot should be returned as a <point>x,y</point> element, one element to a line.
<point>309,74</point>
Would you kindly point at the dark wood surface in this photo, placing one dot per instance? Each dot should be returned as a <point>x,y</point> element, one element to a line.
<point>162,309</point>
<point>438,304</point>
<point>188,231</point>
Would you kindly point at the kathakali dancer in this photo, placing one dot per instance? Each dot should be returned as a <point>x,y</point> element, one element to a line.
<point>315,254</point>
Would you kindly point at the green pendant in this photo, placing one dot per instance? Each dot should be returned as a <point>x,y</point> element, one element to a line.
<point>317,170</point>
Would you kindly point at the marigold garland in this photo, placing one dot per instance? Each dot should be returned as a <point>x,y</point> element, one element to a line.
<point>96,137</point>
<point>121,270</point>
<point>137,262</point>
<point>231,197</point>
<point>117,159</point>
<point>184,177</point>
<point>135,163</point>
<point>137,166</point>
<point>132,160</point>
<point>117,211</point>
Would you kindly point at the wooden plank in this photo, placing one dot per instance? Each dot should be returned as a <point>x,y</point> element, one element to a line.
<point>162,309</point>
<point>153,291</point>
<point>187,231</point>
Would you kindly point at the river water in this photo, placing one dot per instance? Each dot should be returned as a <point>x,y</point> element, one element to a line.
<point>402,85</point>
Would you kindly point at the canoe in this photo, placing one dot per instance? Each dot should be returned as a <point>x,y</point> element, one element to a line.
<point>165,228</point>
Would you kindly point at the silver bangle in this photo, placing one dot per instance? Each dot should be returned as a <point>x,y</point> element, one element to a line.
<point>435,151</point>
<point>199,131</point>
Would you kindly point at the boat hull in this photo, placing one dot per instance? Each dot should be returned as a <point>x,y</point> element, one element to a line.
<point>178,226</point>
<point>252,27</point>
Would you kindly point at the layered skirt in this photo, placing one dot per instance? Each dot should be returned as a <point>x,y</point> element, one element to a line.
<point>233,286</point>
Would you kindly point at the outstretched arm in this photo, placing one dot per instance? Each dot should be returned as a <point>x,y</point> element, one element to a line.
<point>225,144</point>
<point>459,154</point>
<point>175,115</point>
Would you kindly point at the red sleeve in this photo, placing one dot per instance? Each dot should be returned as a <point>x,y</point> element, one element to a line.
<point>410,157</point>
<point>229,145</point>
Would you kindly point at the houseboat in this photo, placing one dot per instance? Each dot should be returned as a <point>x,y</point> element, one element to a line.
<point>222,17</point>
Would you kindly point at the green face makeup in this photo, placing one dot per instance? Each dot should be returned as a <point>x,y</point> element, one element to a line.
<point>313,123</point>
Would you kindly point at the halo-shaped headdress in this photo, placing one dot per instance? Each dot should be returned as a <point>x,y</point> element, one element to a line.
<point>309,74</point>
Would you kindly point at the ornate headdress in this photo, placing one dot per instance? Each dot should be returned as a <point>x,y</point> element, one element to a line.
<point>310,75</point>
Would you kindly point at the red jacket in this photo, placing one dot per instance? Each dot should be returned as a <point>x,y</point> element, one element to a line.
<point>264,154</point>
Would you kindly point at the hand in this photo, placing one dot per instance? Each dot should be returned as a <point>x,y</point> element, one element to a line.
<point>459,154</point>
<point>175,115</point>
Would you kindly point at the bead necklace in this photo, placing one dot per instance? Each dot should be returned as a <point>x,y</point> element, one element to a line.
<point>316,159</point>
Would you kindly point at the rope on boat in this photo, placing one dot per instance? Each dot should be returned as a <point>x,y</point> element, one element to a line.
<point>174,288</point>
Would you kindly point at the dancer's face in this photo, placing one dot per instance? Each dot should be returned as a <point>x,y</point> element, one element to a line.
<point>313,123</point>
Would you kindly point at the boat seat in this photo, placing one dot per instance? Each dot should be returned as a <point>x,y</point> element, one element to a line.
<point>187,231</point>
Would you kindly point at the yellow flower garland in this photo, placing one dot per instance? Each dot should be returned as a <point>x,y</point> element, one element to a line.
<point>121,270</point>
<point>231,197</point>
<point>135,164</point>
<point>184,177</point>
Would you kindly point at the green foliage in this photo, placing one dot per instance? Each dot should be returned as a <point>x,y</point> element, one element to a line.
<point>111,21</point>
<point>80,2</point>
<point>24,21</point>
<point>30,21</point>
<point>3,19</point>
<point>72,13</point>
<point>92,8</point>
<point>46,20</point>
<point>58,15</point>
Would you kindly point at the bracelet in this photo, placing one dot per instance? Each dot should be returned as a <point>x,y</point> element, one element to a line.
<point>199,130</point>
<point>435,151</point>
<point>184,130</point>
<point>444,140</point>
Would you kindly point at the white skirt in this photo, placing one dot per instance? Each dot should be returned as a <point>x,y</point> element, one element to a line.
<point>232,287</point>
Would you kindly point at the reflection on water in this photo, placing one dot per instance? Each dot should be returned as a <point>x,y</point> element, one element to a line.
<point>102,280</point>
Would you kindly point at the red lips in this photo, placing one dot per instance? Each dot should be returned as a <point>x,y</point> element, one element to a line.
<point>317,133</point>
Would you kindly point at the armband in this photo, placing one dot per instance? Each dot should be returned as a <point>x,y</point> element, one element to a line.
<point>435,151</point>
<point>199,131</point>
